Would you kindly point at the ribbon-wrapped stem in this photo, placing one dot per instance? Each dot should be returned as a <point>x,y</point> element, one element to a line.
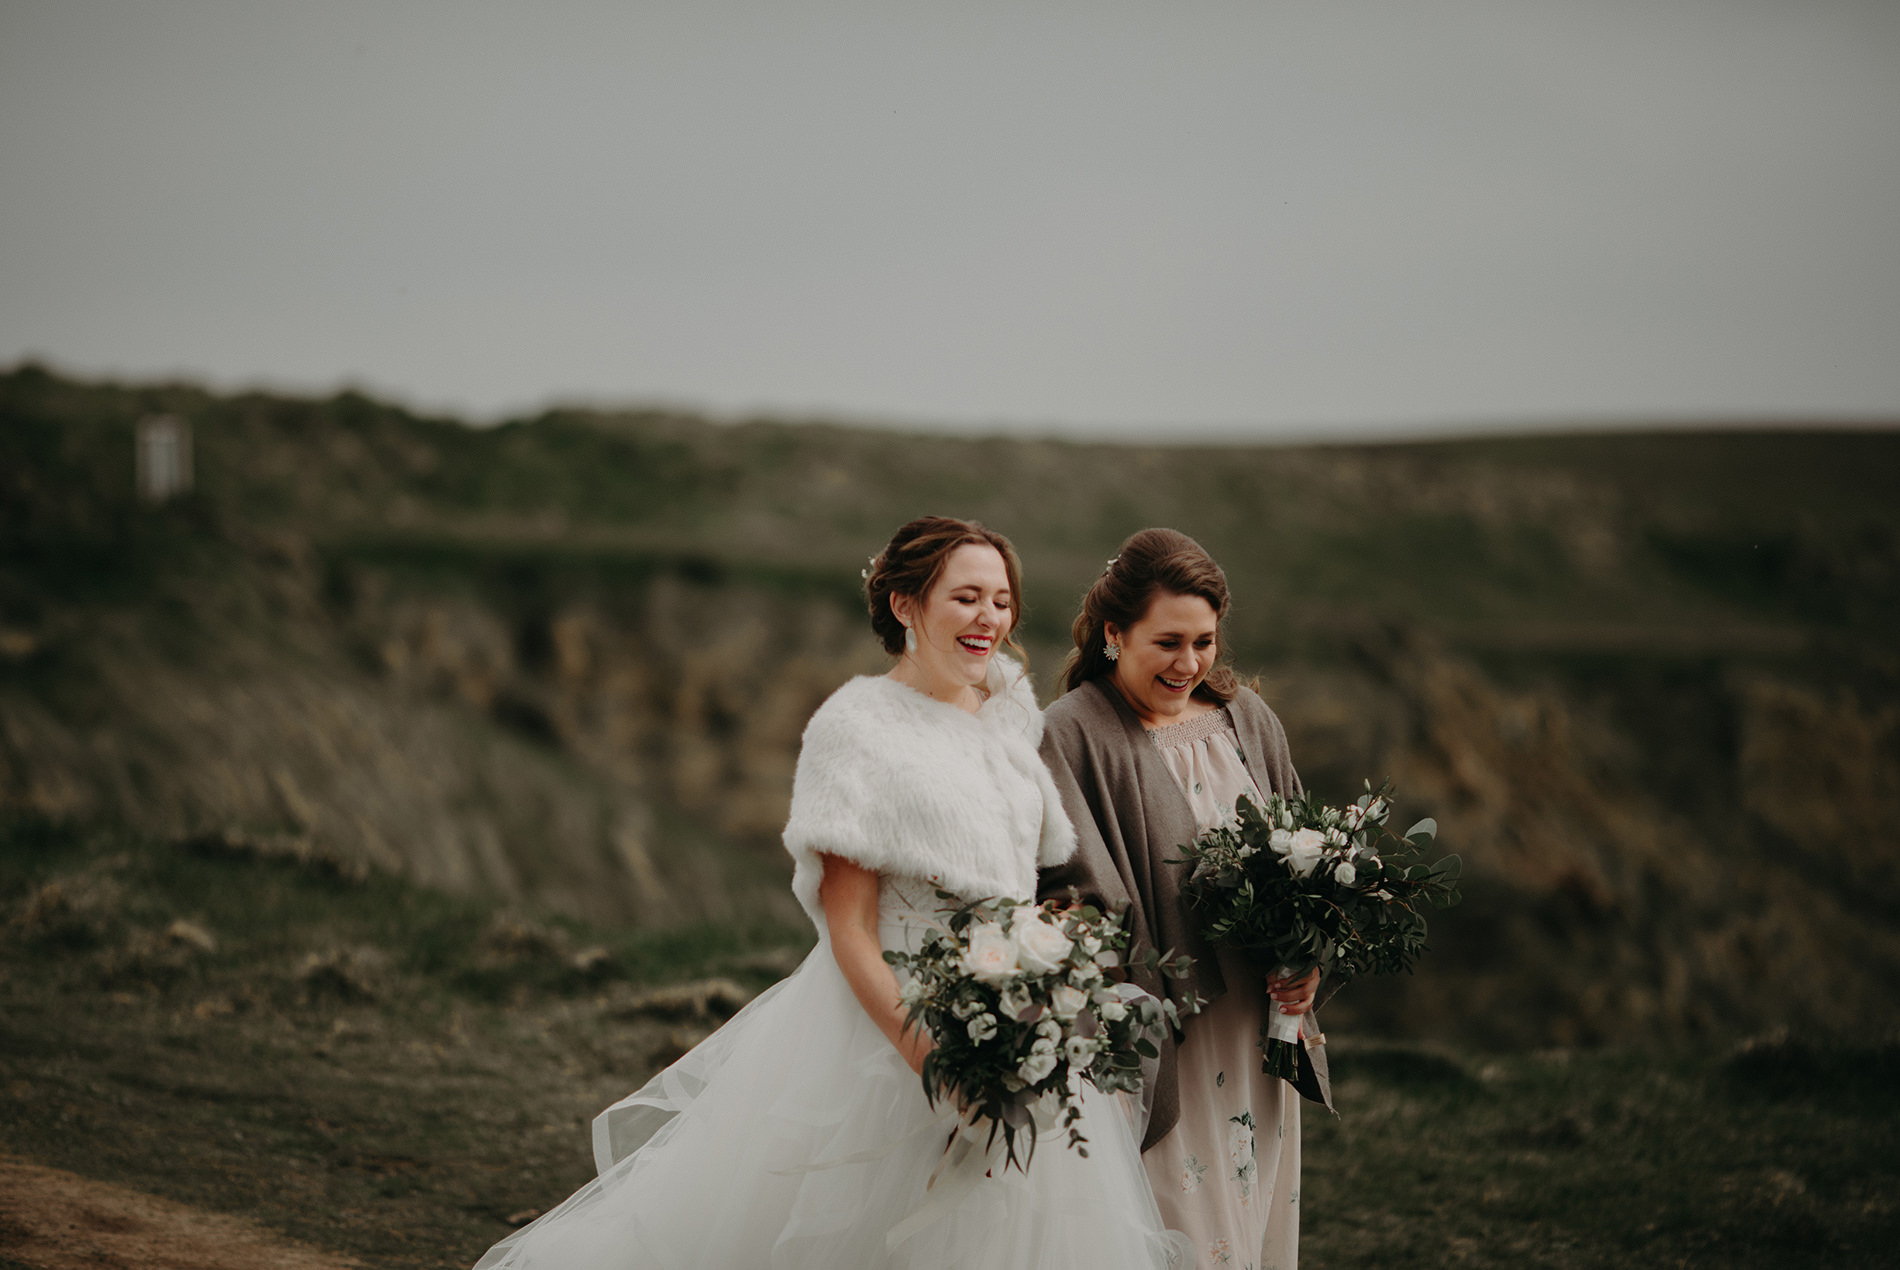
<point>1280,1034</point>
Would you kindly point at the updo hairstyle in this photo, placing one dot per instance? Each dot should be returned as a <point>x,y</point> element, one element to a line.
<point>1150,563</point>
<point>914,559</point>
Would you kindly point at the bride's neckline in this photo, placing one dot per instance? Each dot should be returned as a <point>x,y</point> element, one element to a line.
<point>981,693</point>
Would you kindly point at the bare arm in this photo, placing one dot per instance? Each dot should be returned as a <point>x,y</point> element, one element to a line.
<point>849,894</point>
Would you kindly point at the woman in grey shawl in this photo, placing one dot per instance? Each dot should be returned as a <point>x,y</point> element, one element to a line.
<point>1153,741</point>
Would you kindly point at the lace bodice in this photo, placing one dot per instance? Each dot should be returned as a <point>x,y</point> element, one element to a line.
<point>907,908</point>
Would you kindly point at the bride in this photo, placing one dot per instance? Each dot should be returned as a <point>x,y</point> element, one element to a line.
<point>798,1135</point>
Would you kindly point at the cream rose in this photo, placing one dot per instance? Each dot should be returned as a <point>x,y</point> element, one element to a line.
<point>1037,1066</point>
<point>991,956</point>
<point>1040,943</point>
<point>1303,850</point>
<point>1067,1002</point>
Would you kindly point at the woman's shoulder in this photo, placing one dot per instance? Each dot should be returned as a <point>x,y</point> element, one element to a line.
<point>1082,714</point>
<point>1248,707</point>
<point>1012,700</point>
<point>859,714</point>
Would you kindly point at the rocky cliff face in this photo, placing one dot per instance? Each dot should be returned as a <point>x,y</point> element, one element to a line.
<point>1625,879</point>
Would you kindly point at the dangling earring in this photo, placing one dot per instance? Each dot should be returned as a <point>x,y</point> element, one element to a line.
<point>1112,651</point>
<point>910,640</point>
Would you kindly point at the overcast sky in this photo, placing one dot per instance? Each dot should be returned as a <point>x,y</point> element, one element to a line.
<point>1158,217</point>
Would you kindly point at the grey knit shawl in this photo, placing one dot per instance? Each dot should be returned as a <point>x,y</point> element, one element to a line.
<point>1131,817</point>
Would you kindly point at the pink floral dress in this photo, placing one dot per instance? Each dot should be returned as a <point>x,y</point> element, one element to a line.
<point>1228,1176</point>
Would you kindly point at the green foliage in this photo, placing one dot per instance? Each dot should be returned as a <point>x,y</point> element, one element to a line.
<point>1352,906</point>
<point>1013,1018</point>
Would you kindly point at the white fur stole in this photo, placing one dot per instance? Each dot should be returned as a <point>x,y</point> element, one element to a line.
<point>908,786</point>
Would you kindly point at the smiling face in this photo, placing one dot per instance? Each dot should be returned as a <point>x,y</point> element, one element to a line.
<point>1165,656</point>
<point>958,624</point>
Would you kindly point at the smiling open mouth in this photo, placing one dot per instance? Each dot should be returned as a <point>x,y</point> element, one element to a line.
<point>977,644</point>
<point>1178,685</point>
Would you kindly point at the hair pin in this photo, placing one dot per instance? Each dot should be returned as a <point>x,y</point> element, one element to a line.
<point>1110,564</point>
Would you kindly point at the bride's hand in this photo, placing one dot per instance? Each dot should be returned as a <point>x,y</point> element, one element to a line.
<point>1294,996</point>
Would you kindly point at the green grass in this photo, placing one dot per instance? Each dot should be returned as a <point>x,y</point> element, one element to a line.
<point>431,1075</point>
<point>1784,1155</point>
<point>399,1107</point>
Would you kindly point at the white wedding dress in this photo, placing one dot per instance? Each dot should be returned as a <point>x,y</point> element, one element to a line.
<point>795,1136</point>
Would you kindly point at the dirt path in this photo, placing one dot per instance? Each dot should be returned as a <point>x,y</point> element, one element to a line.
<point>53,1220</point>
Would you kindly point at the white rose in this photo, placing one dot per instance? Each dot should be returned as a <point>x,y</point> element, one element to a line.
<point>1078,1049</point>
<point>912,991</point>
<point>1345,874</point>
<point>1303,849</point>
<point>1037,1066</point>
<point>1067,1002</point>
<point>1015,1001</point>
<point>1040,943</point>
<point>1112,1011</point>
<point>1048,1030</point>
<point>1281,840</point>
<point>982,1027</point>
<point>991,956</point>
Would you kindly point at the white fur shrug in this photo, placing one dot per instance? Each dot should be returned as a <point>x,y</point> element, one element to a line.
<point>909,786</point>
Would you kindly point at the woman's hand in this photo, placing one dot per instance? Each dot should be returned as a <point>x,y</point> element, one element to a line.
<point>1294,996</point>
<point>848,893</point>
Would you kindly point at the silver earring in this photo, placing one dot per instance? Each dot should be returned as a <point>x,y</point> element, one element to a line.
<point>910,640</point>
<point>1112,651</point>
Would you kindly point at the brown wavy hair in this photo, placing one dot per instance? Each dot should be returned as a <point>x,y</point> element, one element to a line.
<point>914,559</point>
<point>1149,563</point>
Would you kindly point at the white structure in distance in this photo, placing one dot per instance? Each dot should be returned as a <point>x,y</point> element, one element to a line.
<point>164,457</point>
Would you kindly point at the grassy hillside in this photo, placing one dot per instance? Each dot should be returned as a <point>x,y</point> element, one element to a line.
<point>1647,683</point>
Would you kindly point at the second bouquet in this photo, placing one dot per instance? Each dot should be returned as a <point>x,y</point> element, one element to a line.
<point>1295,884</point>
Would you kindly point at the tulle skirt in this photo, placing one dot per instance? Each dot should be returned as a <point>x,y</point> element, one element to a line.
<point>795,1138</point>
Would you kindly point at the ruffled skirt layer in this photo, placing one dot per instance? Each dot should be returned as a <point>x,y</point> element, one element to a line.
<point>795,1138</point>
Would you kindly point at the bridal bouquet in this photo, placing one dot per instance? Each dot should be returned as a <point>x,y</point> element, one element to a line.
<point>1297,884</point>
<point>1019,1000</point>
